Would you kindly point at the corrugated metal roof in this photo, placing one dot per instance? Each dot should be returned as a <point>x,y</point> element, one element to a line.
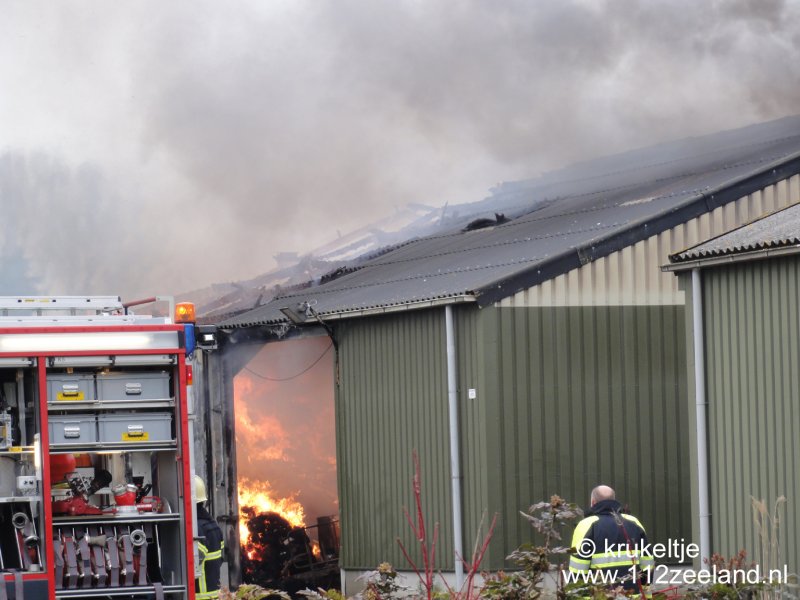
<point>780,229</point>
<point>580,214</point>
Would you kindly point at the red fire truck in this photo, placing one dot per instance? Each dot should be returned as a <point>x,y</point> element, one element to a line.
<point>96,474</point>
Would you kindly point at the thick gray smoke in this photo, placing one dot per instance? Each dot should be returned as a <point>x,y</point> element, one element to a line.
<point>221,133</point>
<point>69,230</point>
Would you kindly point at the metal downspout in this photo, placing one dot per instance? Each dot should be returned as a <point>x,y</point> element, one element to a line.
<point>701,406</point>
<point>455,463</point>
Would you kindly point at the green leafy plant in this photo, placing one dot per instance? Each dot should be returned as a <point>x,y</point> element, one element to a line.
<point>382,584</point>
<point>535,562</point>
<point>251,591</point>
<point>727,584</point>
<point>321,594</point>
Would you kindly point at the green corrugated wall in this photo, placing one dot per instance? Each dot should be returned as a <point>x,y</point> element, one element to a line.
<point>753,391</point>
<point>588,395</point>
<point>566,398</point>
<point>391,399</point>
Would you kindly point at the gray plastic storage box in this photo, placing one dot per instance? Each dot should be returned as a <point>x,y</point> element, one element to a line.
<point>72,429</point>
<point>130,385</point>
<point>66,387</point>
<point>135,427</point>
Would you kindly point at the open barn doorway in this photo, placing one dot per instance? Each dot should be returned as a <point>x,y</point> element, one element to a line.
<point>286,463</point>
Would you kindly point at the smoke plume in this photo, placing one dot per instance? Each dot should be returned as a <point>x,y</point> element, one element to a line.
<point>151,147</point>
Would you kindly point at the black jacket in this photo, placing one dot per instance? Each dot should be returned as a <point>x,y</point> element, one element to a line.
<point>606,538</point>
<point>210,545</point>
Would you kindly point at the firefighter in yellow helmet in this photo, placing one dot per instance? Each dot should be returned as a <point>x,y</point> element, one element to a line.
<point>210,546</point>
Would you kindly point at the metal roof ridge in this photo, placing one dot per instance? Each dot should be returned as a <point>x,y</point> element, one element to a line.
<point>579,256</point>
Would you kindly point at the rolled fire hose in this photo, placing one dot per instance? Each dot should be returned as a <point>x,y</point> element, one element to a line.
<point>139,541</point>
<point>85,566</point>
<point>58,556</point>
<point>71,560</point>
<point>27,540</point>
<point>113,561</point>
<point>97,544</point>
<point>127,554</point>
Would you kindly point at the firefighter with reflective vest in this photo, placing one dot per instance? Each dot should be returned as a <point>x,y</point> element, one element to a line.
<point>209,545</point>
<point>611,543</point>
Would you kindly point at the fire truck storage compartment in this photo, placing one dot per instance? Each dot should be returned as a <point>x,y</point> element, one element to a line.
<point>113,446</point>
<point>171,534</point>
<point>72,429</point>
<point>134,427</point>
<point>65,387</point>
<point>132,385</point>
<point>161,534</point>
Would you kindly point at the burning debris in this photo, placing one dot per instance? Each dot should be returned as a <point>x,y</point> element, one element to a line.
<point>265,552</point>
<point>277,548</point>
<point>259,498</point>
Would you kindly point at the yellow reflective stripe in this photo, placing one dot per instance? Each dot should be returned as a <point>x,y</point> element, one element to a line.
<point>204,549</point>
<point>581,529</point>
<point>633,520</point>
<point>615,560</point>
<point>577,565</point>
<point>623,552</point>
<point>202,583</point>
<point>621,558</point>
<point>202,579</point>
<point>608,563</point>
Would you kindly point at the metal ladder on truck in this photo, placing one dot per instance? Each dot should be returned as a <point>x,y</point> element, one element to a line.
<point>77,310</point>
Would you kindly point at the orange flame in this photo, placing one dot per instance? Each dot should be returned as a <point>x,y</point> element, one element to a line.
<point>282,447</point>
<point>259,496</point>
<point>316,549</point>
<point>263,436</point>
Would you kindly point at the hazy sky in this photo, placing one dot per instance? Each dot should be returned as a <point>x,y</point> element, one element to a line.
<point>153,147</point>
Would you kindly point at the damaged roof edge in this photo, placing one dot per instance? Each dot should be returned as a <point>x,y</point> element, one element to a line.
<point>694,207</point>
<point>380,310</point>
<point>365,312</point>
